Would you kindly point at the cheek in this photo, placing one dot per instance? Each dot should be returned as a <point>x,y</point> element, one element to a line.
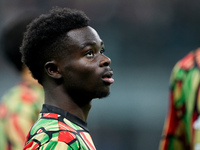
<point>87,74</point>
<point>85,67</point>
<point>82,71</point>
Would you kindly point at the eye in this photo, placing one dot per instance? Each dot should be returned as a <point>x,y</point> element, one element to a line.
<point>90,54</point>
<point>102,50</point>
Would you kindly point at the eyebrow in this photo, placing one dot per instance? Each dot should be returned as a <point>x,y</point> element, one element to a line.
<point>90,44</point>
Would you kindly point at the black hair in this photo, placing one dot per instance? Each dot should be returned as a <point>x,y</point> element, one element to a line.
<point>11,38</point>
<point>44,38</point>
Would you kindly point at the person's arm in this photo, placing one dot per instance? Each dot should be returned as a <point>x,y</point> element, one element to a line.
<point>3,137</point>
<point>174,137</point>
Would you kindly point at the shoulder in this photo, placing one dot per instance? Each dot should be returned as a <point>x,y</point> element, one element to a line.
<point>31,93</point>
<point>48,129</point>
<point>184,66</point>
<point>187,62</point>
<point>22,100</point>
<point>192,59</point>
<point>52,139</point>
<point>24,93</point>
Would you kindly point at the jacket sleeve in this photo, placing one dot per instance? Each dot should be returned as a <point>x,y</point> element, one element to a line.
<point>174,136</point>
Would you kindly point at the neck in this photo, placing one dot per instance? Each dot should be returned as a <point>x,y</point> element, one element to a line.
<point>83,114</point>
<point>60,99</point>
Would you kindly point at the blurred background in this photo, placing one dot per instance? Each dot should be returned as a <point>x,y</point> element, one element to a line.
<point>144,39</point>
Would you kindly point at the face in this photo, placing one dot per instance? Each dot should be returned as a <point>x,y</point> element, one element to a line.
<point>85,68</point>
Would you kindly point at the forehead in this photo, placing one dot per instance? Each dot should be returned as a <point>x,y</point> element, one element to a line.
<point>83,35</point>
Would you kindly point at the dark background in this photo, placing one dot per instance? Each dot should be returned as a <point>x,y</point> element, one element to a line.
<point>144,39</point>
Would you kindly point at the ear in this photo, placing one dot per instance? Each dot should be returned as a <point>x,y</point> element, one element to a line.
<point>52,69</point>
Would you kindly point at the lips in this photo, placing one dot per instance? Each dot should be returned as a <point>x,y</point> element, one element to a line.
<point>107,77</point>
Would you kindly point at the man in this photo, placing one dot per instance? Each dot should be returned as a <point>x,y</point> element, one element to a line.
<point>182,125</point>
<point>66,56</point>
<point>20,106</point>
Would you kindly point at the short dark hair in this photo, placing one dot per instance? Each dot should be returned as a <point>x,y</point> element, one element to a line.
<point>44,38</point>
<point>12,35</point>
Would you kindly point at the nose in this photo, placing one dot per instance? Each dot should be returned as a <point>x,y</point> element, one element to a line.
<point>105,61</point>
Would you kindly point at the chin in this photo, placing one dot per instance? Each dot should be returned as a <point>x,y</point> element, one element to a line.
<point>102,94</point>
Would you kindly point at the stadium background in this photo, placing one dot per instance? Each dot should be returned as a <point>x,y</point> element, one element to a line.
<point>144,39</point>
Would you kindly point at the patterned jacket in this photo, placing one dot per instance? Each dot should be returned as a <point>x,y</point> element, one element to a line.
<point>57,129</point>
<point>19,109</point>
<point>182,126</point>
